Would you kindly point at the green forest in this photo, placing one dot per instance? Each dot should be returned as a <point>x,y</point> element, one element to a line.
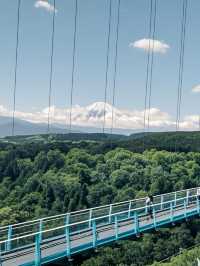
<point>187,258</point>
<point>47,176</point>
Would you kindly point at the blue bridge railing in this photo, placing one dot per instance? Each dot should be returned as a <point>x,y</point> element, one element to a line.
<point>47,239</point>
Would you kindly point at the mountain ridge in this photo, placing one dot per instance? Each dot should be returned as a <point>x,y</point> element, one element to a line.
<point>23,127</point>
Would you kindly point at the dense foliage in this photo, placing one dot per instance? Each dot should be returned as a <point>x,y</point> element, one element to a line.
<point>35,182</point>
<point>156,246</point>
<point>187,258</point>
<point>96,142</point>
<point>48,177</point>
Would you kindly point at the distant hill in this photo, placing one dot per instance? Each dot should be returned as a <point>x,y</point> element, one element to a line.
<point>23,127</point>
<point>170,141</point>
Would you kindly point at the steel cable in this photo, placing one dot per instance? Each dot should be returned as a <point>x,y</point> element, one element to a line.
<point>73,64</point>
<point>51,66</point>
<point>107,64</point>
<point>16,66</point>
<point>181,63</point>
<point>115,65</point>
<point>181,66</point>
<point>152,63</point>
<point>147,70</point>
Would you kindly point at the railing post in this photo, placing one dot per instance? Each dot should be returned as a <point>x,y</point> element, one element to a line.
<point>67,234</point>
<point>161,202</point>
<point>0,256</point>
<point>116,228</point>
<point>146,209</point>
<point>94,233</point>
<point>90,218</point>
<point>171,211</point>
<point>198,206</point>
<point>66,223</point>
<point>110,213</point>
<point>185,209</point>
<point>37,250</point>
<point>8,243</point>
<point>187,196</point>
<point>175,198</point>
<point>154,217</point>
<point>129,209</point>
<point>67,218</point>
<point>40,229</point>
<point>136,221</point>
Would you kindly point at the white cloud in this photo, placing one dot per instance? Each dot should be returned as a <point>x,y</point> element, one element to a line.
<point>155,45</point>
<point>196,89</point>
<point>4,111</point>
<point>190,122</point>
<point>45,5</point>
<point>93,116</point>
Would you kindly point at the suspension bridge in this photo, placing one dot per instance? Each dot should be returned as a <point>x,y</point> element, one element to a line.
<point>53,238</point>
<point>50,239</point>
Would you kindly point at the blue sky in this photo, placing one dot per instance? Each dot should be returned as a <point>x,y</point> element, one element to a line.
<point>34,55</point>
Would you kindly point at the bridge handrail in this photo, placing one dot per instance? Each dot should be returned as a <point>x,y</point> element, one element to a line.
<point>93,219</point>
<point>87,210</point>
<point>72,213</point>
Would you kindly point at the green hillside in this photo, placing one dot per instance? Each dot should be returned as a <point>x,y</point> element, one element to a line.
<point>170,141</point>
<point>47,175</point>
<point>187,258</point>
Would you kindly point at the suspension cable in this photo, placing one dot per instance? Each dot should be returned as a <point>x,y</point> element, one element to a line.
<point>147,69</point>
<point>107,64</point>
<point>181,62</point>
<point>16,66</point>
<point>73,64</point>
<point>152,62</point>
<point>51,65</point>
<point>115,65</point>
<point>184,37</point>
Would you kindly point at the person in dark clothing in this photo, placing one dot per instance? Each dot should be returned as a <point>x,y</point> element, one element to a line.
<point>149,204</point>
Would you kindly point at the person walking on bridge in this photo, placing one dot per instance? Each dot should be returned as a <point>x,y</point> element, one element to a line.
<point>149,205</point>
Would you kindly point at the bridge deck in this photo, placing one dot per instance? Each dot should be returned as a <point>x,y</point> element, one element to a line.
<point>68,241</point>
